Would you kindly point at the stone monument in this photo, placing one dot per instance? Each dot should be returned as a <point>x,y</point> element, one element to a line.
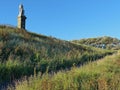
<point>21,17</point>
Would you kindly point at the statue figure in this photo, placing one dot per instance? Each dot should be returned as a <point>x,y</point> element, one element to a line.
<point>21,17</point>
<point>21,10</point>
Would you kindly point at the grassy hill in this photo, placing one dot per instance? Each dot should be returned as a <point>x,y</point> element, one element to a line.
<point>23,53</point>
<point>101,42</point>
<point>103,74</point>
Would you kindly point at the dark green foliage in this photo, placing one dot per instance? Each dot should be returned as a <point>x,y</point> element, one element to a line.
<point>12,70</point>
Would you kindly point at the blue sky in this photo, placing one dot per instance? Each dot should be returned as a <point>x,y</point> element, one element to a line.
<point>66,19</point>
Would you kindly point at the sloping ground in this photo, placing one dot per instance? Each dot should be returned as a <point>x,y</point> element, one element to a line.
<point>99,75</point>
<point>22,45</point>
<point>23,53</point>
<point>100,42</point>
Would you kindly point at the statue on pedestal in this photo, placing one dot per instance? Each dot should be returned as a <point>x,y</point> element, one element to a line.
<point>21,17</point>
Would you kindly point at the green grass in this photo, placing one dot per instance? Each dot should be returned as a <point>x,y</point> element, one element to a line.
<point>22,51</point>
<point>15,69</point>
<point>103,74</point>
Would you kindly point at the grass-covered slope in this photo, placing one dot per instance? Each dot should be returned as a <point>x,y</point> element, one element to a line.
<point>22,45</point>
<point>23,53</point>
<point>101,42</point>
<point>99,75</point>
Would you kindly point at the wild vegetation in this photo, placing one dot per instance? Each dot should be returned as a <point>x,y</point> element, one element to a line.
<point>103,74</point>
<point>23,52</point>
<point>101,42</point>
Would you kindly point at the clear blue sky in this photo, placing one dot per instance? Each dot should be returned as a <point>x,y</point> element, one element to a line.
<point>66,19</point>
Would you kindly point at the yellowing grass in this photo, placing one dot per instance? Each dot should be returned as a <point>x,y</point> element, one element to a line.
<point>99,75</point>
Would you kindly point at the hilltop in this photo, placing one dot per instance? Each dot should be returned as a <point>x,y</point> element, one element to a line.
<point>23,53</point>
<point>100,42</point>
<point>23,45</point>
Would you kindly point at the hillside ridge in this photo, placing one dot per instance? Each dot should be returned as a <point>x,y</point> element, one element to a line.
<point>105,42</point>
<point>23,53</point>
